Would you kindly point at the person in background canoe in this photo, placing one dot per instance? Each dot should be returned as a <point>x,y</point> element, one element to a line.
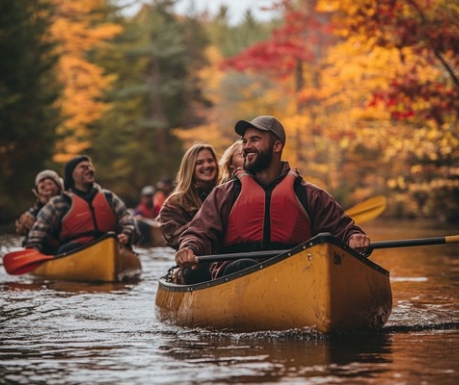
<point>159,197</point>
<point>197,176</point>
<point>231,160</point>
<point>165,184</point>
<point>83,212</point>
<point>145,208</point>
<point>48,184</point>
<point>145,212</point>
<point>235,218</point>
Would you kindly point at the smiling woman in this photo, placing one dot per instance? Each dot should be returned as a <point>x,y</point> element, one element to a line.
<point>197,176</point>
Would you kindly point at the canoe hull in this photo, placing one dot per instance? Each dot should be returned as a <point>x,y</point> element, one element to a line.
<point>104,260</point>
<point>323,285</point>
<point>152,235</point>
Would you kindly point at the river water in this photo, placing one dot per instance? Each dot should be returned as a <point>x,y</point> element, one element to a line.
<point>68,333</point>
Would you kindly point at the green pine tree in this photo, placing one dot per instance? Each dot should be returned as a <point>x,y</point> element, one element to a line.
<point>28,94</point>
<point>155,60</point>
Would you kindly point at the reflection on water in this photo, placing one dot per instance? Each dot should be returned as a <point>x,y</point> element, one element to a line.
<point>284,356</point>
<point>76,333</point>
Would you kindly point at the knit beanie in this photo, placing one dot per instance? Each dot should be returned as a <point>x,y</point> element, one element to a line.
<point>69,167</point>
<point>49,174</point>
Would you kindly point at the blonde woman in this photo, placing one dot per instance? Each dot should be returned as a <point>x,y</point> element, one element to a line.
<point>197,176</point>
<point>232,159</point>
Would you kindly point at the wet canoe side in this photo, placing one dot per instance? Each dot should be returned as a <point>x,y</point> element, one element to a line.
<point>102,261</point>
<point>152,235</point>
<point>325,286</point>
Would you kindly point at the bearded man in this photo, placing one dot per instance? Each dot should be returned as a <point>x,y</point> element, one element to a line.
<point>267,206</point>
<point>83,212</point>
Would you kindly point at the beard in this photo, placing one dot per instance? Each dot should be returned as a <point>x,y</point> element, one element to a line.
<point>262,161</point>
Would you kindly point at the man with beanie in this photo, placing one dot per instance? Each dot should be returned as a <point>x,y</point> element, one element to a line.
<point>82,213</point>
<point>47,185</point>
<point>267,206</point>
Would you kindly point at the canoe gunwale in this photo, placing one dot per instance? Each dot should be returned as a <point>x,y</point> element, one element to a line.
<point>110,234</point>
<point>317,240</point>
<point>101,260</point>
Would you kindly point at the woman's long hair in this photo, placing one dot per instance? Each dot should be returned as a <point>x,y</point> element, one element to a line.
<point>187,190</point>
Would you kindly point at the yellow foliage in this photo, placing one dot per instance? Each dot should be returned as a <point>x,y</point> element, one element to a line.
<point>209,133</point>
<point>78,28</point>
<point>211,76</point>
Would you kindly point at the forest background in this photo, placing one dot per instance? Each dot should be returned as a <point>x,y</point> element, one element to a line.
<point>368,92</point>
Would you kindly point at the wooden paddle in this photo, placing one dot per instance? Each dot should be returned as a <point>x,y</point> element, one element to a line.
<point>23,261</point>
<point>368,209</point>
<point>374,245</point>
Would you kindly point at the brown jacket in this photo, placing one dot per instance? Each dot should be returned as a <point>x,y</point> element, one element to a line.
<point>174,219</point>
<point>206,230</point>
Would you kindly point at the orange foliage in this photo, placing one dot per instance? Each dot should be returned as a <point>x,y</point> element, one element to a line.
<point>79,27</point>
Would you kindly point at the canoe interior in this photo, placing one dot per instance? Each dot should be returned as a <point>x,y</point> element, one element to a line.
<point>103,260</point>
<point>321,284</point>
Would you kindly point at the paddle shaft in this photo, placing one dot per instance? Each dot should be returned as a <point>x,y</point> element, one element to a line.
<point>415,242</point>
<point>374,245</point>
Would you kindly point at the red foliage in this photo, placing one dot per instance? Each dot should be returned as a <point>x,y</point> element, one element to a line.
<point>405,94</point>
<point>430,30</point>
<point>302,37</point>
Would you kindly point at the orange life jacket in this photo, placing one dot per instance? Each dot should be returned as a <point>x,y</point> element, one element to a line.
<point>87,220</point>
<point>269,218</point>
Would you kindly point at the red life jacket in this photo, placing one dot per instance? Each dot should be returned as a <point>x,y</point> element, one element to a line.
<point>145,211</point>
<point>269,218</point>
<point>86,220</point>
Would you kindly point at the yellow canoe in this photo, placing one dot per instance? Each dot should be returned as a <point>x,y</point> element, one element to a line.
<point>152,235</point>
<point>103,260</point>
<point>321,284</point>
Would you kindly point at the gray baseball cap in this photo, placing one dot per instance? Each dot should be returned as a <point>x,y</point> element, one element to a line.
<point>263,123</point>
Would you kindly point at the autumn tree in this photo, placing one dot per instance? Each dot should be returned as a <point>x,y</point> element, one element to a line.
<point>229,92</point>
<point>80,28</point>
<point>155,61</point>
<point>426,34</point>
<point>420,39</point>
<point>28,92</point>
<point>232,39</point>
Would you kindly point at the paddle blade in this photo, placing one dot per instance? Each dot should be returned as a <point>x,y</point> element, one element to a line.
<point>367,210</point>
<point>24,261</point>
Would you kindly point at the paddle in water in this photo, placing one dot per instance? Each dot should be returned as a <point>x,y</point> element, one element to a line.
<point>24,261</point>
